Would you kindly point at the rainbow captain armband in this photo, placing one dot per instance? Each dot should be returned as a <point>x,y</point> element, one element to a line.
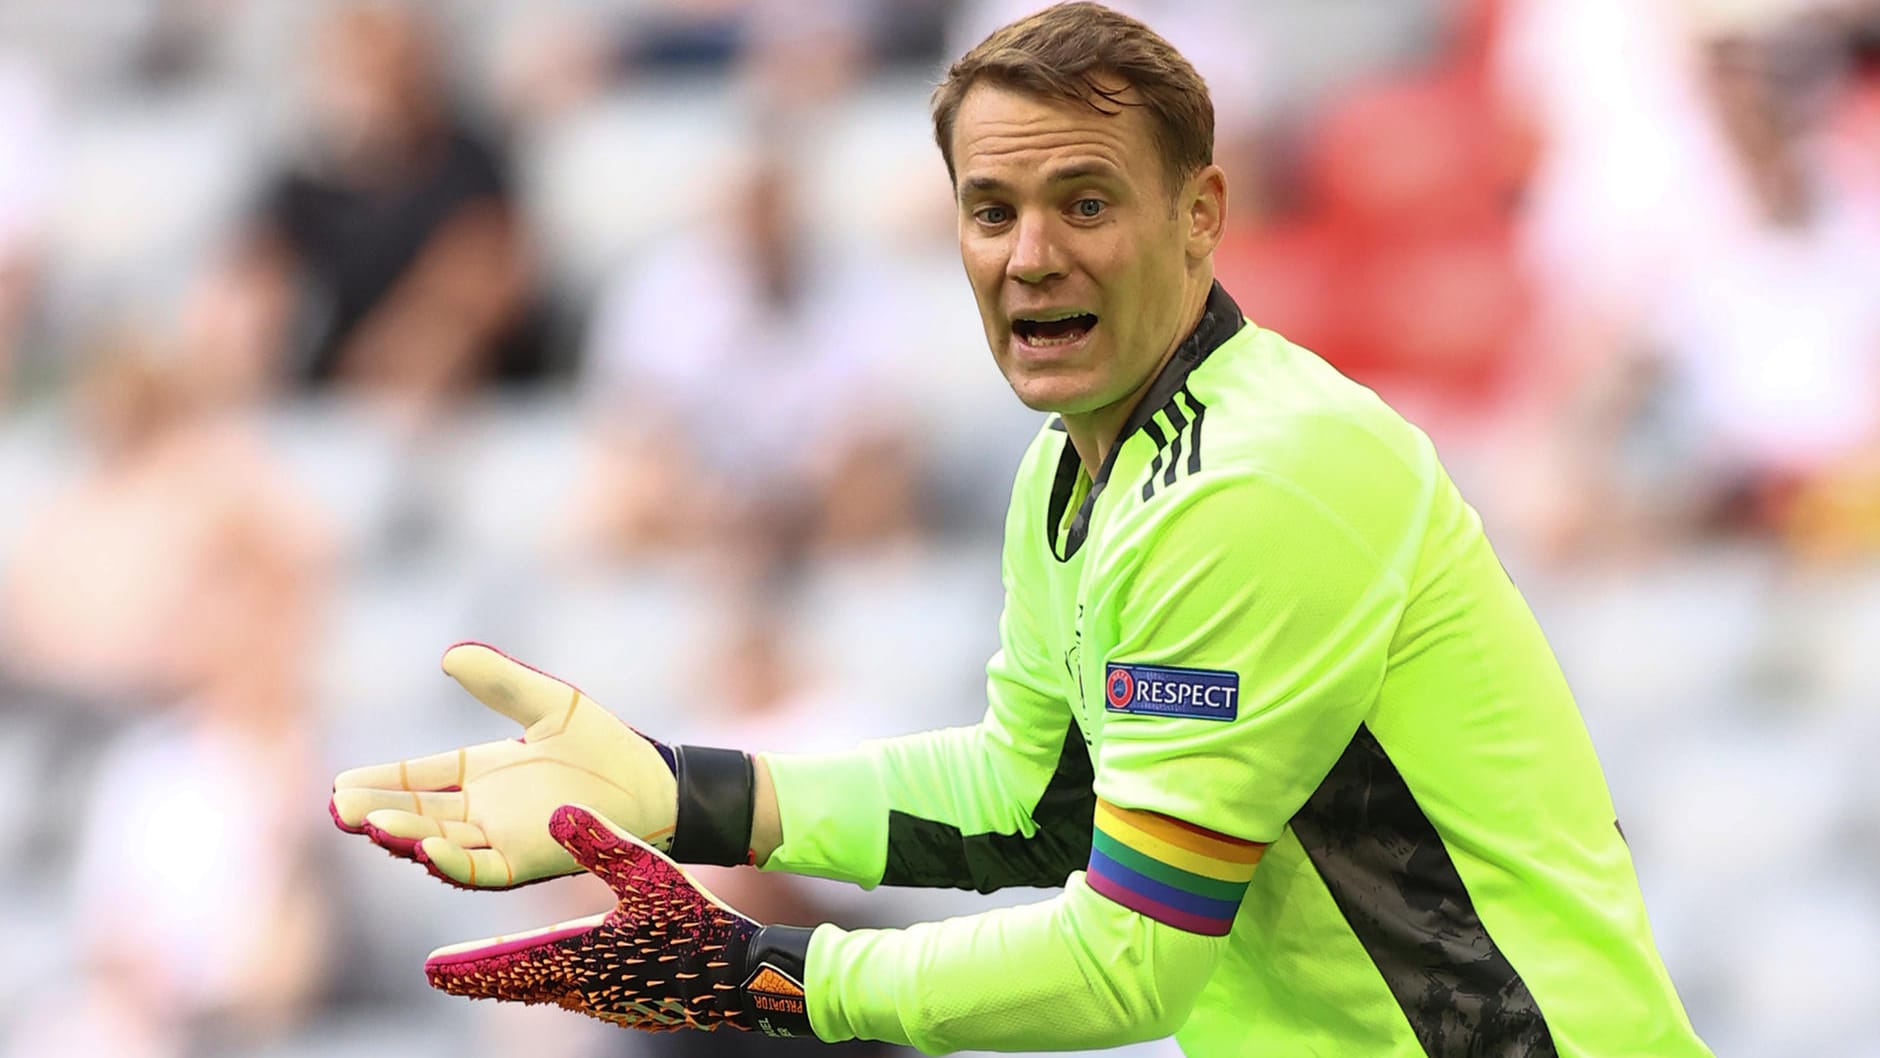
<point>1179,874</point>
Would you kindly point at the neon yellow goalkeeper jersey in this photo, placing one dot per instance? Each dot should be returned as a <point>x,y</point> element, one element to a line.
<point>1270,710</point>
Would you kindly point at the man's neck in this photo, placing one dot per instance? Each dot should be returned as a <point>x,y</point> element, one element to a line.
<point>1094,433</point>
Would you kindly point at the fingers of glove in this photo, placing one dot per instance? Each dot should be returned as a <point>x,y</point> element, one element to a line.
<point>439,771</point>
<point>551,969</point>
<point>524,694</point>
<point>578,965</point>
<point>564,964</point>
<point>332,809</point>
<point>465,867</point>
<point>540,966</point>
<point>351,806</point>
<point>399,832</point>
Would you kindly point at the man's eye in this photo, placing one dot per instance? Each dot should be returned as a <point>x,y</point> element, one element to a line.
<point>1088,207</point>
<point>992,216</point>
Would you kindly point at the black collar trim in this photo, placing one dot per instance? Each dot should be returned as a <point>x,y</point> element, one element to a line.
<point>1220,320</point>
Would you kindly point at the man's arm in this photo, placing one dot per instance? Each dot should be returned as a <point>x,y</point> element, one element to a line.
<point>672,955</point>
<point>1004,802</point>
<point>1075,972</point>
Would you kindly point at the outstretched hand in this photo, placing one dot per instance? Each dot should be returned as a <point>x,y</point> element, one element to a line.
<point>477,817</point>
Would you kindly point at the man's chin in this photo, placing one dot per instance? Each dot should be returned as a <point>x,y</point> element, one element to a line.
<point>1056,393</point>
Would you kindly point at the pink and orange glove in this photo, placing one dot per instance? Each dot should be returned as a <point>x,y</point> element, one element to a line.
<point>477,816</point>
<point>669,955</point>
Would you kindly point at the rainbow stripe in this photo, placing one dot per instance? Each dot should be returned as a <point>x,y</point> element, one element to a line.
<point>1174,872</point>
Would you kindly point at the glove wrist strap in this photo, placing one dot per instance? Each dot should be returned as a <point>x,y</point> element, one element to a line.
<point>717,794</point>
<point>773,982</point>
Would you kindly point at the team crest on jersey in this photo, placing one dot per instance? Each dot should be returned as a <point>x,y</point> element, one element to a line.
<point>1158,690</point>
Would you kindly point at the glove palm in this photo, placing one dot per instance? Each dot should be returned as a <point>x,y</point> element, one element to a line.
<point>477,816</point>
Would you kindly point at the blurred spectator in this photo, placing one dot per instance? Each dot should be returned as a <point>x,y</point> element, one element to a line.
<point>1393,256</point>
<point>201,925</point>
<point>1753,375</point>
<point>413,274</point>
<point>179,553</point>
<point>178,571</point>
<point>1630,179</point>
<point>1775,343</point>
<point>1837,514</point>
<point>743,395</point>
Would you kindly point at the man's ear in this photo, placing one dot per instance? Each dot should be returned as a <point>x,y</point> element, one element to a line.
<point>1204,202</point>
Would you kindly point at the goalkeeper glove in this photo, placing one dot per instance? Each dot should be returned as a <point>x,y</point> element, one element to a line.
<point>477,816</point>
<point>668,956</point>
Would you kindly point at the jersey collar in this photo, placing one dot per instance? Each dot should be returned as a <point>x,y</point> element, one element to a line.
<point>1221,319</point>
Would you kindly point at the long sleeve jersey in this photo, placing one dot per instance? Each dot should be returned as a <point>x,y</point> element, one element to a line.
<point>1269,710</point>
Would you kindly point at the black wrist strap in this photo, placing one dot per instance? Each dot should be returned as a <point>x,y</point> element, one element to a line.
<point>773,981</point>
<point>717,794</point>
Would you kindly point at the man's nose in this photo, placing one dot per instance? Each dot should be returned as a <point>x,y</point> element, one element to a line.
<point>1036,255</point>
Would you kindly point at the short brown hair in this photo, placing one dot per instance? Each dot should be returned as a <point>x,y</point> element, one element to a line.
<point>1076,52</point>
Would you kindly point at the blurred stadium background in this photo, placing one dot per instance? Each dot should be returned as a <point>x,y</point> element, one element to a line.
<point>630,337</point>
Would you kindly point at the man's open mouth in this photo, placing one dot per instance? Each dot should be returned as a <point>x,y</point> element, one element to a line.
<point>1049,332</point>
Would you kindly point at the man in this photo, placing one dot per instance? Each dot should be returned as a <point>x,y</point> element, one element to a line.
<point>390,259</point>
<point>1266,706</point>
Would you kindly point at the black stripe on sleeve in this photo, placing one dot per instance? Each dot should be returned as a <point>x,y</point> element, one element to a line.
<point>935,855</point>
<point>1392,877</point>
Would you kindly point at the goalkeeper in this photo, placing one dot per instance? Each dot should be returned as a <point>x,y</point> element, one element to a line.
<point>1266,707</point>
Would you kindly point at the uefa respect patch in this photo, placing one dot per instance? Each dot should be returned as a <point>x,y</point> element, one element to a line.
<point>1157,690</point>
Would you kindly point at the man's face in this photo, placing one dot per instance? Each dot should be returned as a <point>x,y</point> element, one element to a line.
<point>1079,255</point>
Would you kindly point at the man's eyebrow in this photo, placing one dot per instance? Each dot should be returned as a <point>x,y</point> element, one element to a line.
<point>1080,171</point>
<point>1064,175</point>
